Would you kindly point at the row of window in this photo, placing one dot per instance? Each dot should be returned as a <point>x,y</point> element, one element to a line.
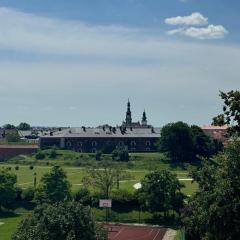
<point>132,149</point>
<point>94,143</point>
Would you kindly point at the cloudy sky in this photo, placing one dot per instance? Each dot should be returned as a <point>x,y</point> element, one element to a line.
<point>77,62</point>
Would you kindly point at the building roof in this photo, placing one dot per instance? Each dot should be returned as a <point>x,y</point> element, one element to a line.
<point>82,132</point>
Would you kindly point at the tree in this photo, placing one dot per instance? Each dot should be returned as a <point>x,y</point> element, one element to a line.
<point>231,111</point>
<point>24,126</point>
<point>213,213</point>
<point>61,221</point>
<point>105,178</point>
<point>120,154</point>
<point>12,137</point>
<point>7,188</point>
<point>176,140</point>
<point>203,145</point>
<point>160,192</point>
<point>9,126</point>
<point>53,187</point>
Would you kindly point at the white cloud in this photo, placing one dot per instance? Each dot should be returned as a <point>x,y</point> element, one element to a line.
<point>195,19</point>
<point>209,32</point>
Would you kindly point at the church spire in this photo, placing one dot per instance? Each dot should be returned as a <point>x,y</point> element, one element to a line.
<point>128,114</point>
<point>144,118</point>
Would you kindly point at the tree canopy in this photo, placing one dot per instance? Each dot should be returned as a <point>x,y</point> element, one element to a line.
<point>184,143</point>
<point>160,192</point>
<point>61,221</point>
<point>214,212</point>
<point>24,126</point>
<point>231,111</point>
<point>7,188</point>
<point>53,187</point>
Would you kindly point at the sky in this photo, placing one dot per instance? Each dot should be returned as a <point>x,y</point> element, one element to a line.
<point>76,62</point>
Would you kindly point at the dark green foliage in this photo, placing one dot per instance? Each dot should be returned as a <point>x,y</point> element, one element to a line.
<point>9,126</point>
<point>98,155</point>
<point>17,168</point>
<point>203,144</point>
<point>213,213</point>
<point>185,144</point>
<point>28,194</point>
<point>7,189</point>
<point>176,139</point>
<point>83,196</point>
<point>53,187</point>
<point>160,192</point>
<point>231,112</point>
<point>31,167</point>
<point>39,155</point>
<point>62,221</point>
<point>24,126</point>
<point>53,154</point>
<point>12,137</point>
<point>108,147</point>
<point>120,154</point>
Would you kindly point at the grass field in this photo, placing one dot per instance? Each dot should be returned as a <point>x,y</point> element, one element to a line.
<point>74,164</point>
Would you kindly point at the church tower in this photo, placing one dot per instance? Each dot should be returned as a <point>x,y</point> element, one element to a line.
<point>144,119</point>
<point>128,115</point>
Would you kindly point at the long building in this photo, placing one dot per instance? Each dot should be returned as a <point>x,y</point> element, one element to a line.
<point>136,136</point>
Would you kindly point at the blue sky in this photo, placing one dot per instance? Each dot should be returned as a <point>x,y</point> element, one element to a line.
<point>77,62</point>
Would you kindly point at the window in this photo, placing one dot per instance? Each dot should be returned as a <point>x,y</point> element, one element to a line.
<point>147,149</point>
<point>69,144</point>
<point>133,143</point>
<point>121,144</point>
<point>148,143</point>
<point>94,150</point>
<point>94,143</point>
<point>79,144</point>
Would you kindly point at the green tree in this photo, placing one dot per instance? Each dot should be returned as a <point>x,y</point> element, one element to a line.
<point>120,154</point>
<point>203,144</point>
<point>231,112</point>
<point>106,178</point>
<point>61,221</point>
<point>7,189</point>
<point>160,192</point>
<point>176,140</point>
<point>53,187</point>
<point>12,137</point>
<point>9,126</point>
<point>214,212</point>
<point>24,126</point>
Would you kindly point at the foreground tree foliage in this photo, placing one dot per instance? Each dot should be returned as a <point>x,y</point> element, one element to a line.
<point>7,189</point>
<point>231,112</point>
<point>160,192</point>
<point>61,221</point>
<point>54,187</point>
<point>184,143</point>
<point>214,212</point>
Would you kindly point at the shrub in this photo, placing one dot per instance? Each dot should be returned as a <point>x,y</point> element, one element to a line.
<point>28,194</point>
<point>53,153</point>
<point>83,196</point>
<point>31,167</point>
<point>120,154</point>
<point>39,155</point>
<point>98,155</point>
<point>16,168</point>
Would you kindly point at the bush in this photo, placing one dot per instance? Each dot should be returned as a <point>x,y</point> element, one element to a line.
<point>16,168</point>
<point>123,198</point>
<point>98,155</point>
<point>120,154</point>
<point>53,153</point>
<point>28,194</point>
<point>31,167</point>
<point>39,155</point>
<point>83,196</point>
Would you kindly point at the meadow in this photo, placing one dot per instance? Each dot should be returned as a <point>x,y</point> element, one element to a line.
<point>75,165</point>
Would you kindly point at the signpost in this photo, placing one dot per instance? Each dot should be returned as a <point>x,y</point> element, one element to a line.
<point>105,203</point>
